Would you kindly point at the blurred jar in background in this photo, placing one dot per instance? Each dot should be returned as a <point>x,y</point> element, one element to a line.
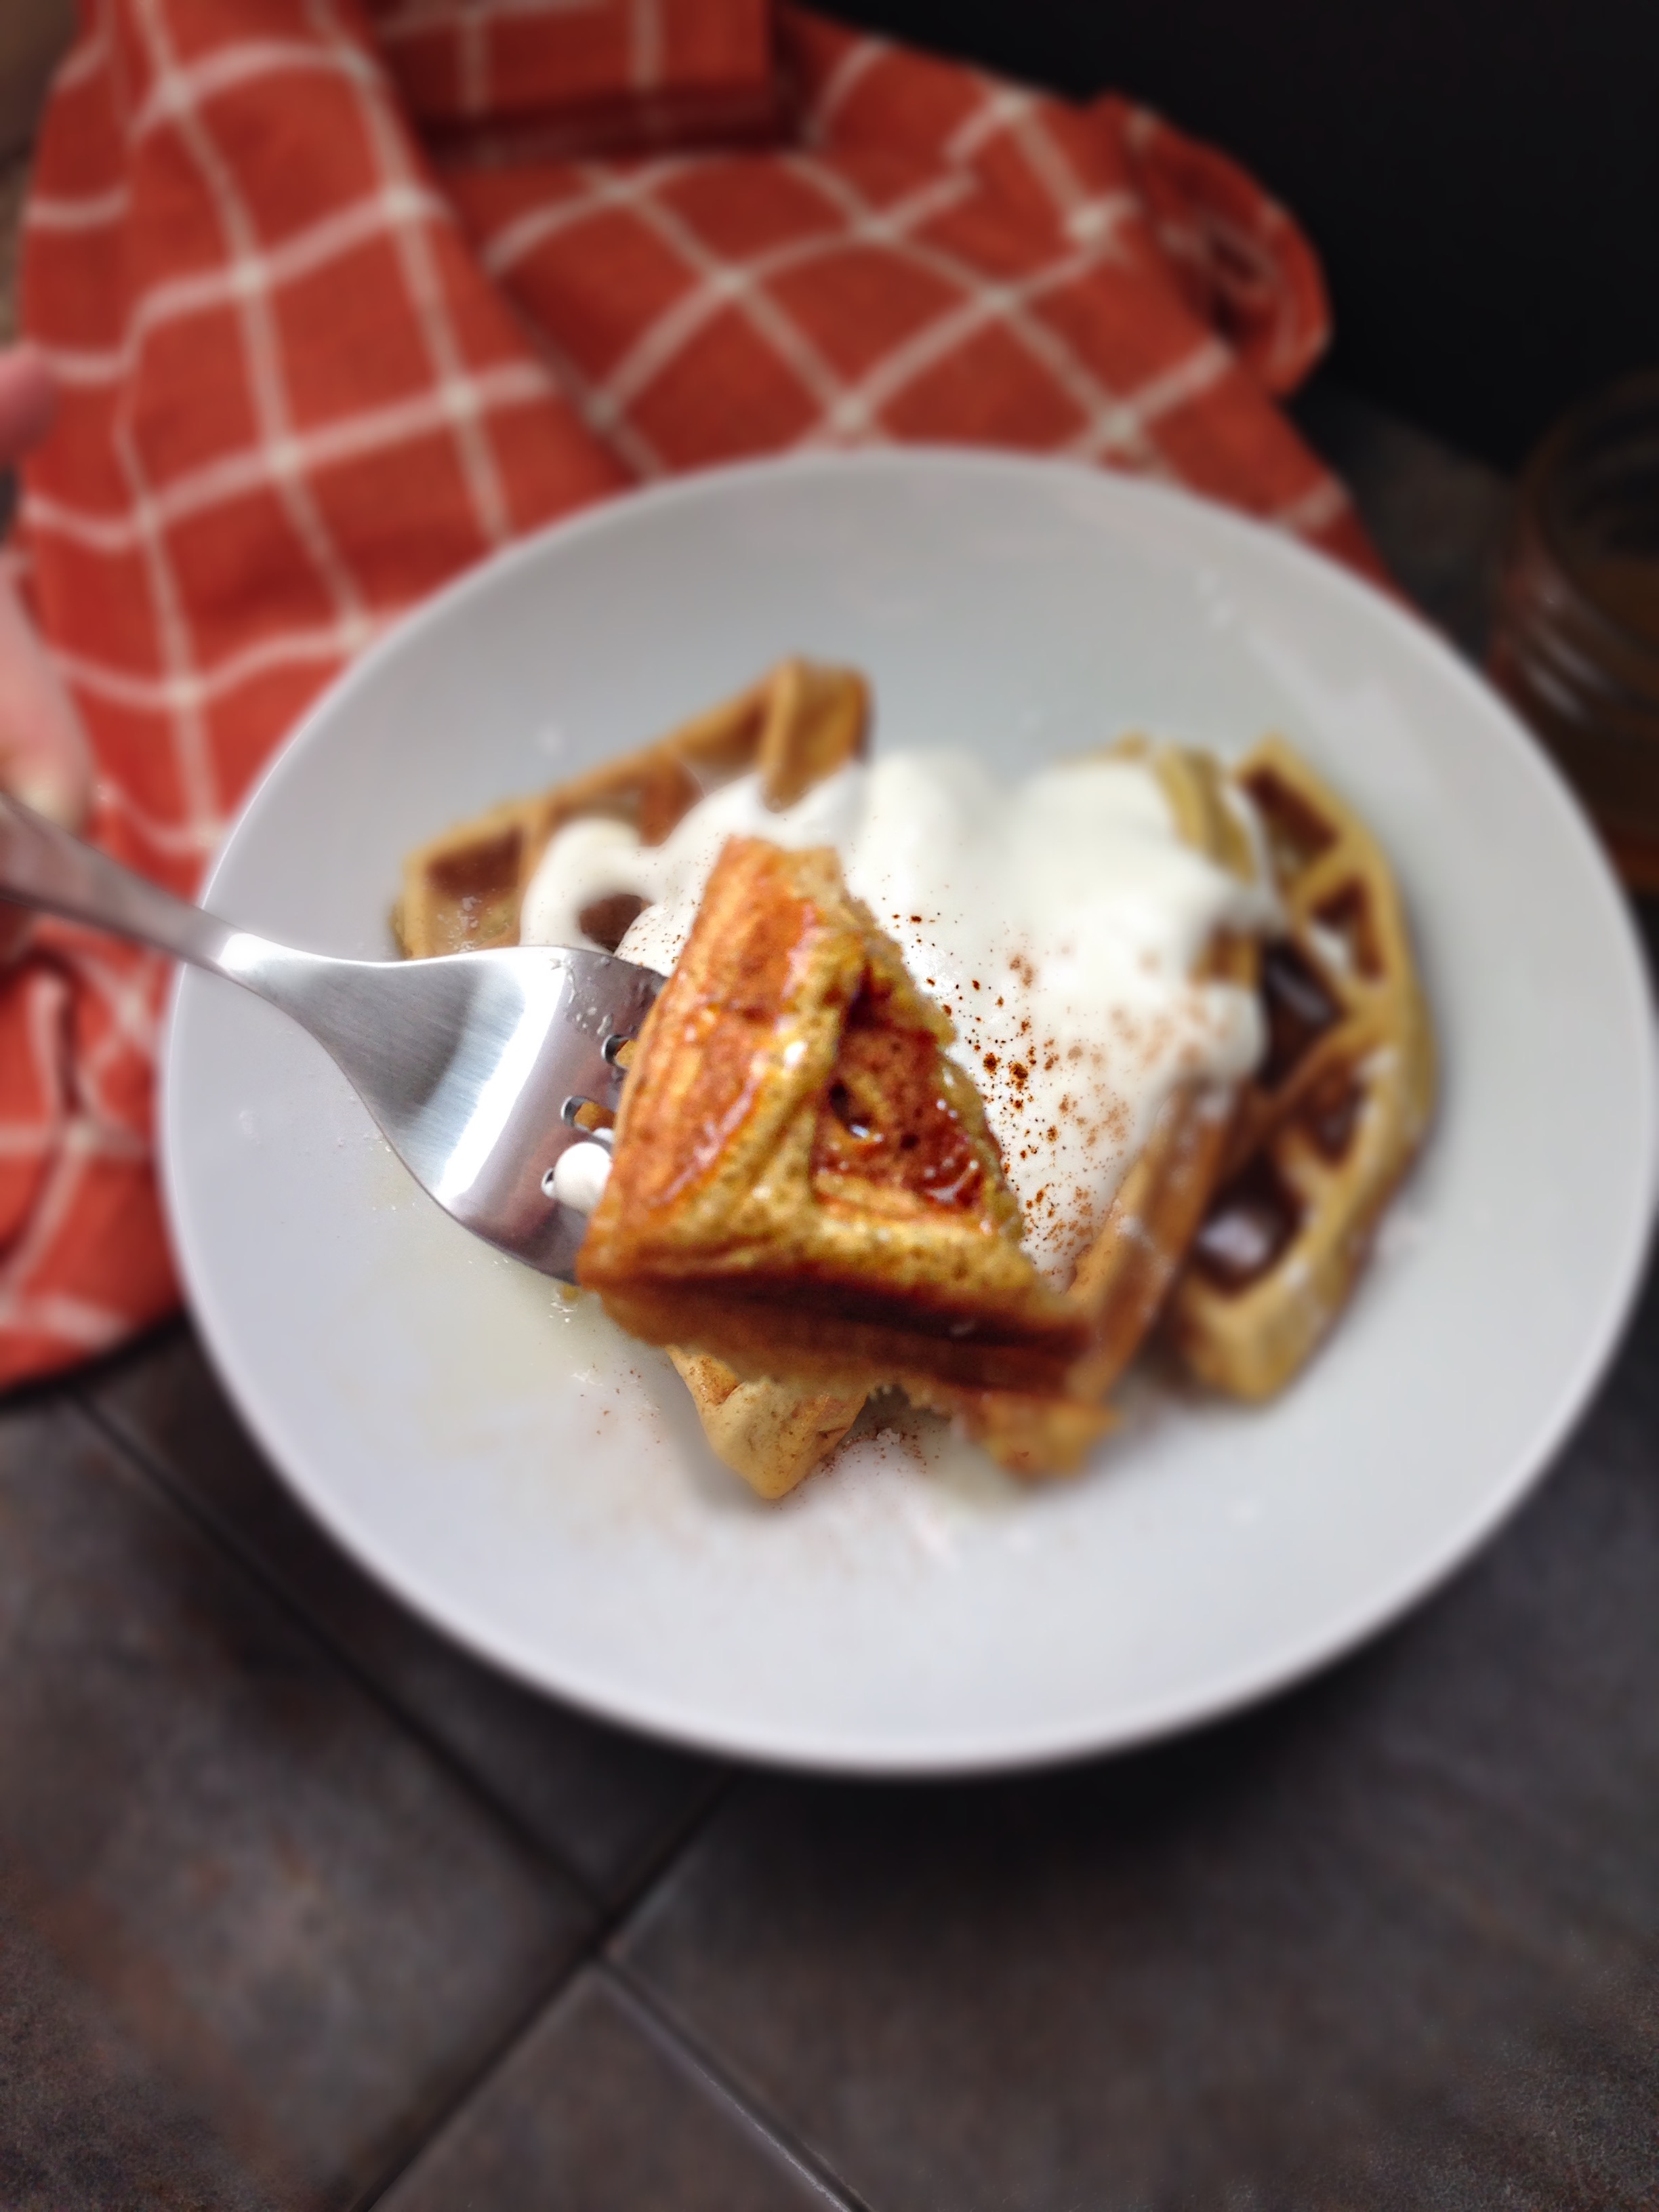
<point>1576,640</point>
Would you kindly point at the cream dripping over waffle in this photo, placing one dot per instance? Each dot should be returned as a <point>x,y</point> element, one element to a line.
<point>1060,925</point>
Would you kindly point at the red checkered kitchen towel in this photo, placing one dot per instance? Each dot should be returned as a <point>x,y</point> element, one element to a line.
<point>341,299</point>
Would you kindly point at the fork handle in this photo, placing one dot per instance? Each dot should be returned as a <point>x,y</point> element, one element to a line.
<point>42,865</point>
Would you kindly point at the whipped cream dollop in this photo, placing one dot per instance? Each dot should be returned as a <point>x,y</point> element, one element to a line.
<point>1058,924</point>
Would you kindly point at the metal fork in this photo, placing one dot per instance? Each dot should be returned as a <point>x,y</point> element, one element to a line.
<point>475,1065</point>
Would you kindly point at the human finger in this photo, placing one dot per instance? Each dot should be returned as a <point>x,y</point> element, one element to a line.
<point>28,400</point>
<point>44,758</point>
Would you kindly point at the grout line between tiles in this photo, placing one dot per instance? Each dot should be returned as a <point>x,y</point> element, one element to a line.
<point>679,2041</point>
<point>608,1916</point>
<point>590,1954</point>
<point>210,1525</point>
<point>474,2082</point>
<point>153,1471</point>
<point>656,1863</point>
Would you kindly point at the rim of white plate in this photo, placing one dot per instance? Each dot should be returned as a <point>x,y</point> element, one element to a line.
<point>1277,1668</point>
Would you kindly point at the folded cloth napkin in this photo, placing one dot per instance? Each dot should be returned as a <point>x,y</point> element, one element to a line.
<point>343,299</point>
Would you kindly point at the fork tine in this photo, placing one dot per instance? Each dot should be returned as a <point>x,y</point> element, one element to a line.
<point>614,1054</point>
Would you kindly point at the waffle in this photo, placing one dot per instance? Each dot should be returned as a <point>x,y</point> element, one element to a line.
<point>463,892</point>
<point>802,1184</point>
<point>1123,1279</point>
<point>1329,1125</point>
<point>777,1430</point>
<point>1247,1218</point>
<point>773,1434</point>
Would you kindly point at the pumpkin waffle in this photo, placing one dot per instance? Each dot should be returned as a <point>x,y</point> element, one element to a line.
<point>1334,1115</point>
<point>1125,1274</point>
<point>773,1434</point>
<point>802,1183</point>
<point>1123,1278</point>
<point>801,722</point>
<point>1273,1191</point>
<point>779,1428</point>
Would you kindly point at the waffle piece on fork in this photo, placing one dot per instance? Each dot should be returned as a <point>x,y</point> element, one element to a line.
<point>782,1423</point>
<point>802,1182</point>
<point>800,724</point>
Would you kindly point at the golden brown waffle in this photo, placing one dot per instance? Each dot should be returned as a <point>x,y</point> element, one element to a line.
<point>1330,1124</point>
<point>773,1434</point>
<point>1120,1285</point>
<point>1287,1190</point>
<point>463,891</point>
<point>802,1184</point>
<point>798,724</point>
<point>1123,1279</point>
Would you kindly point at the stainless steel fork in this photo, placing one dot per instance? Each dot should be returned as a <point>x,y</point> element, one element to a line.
<point>475,1065</point>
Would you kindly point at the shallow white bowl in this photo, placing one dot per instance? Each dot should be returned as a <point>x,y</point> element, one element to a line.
<point>536,1484</point>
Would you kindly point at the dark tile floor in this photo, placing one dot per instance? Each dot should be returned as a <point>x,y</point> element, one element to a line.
<point>299,1907</point>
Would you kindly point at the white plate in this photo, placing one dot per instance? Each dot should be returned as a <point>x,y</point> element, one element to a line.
<point>536,1484</point>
